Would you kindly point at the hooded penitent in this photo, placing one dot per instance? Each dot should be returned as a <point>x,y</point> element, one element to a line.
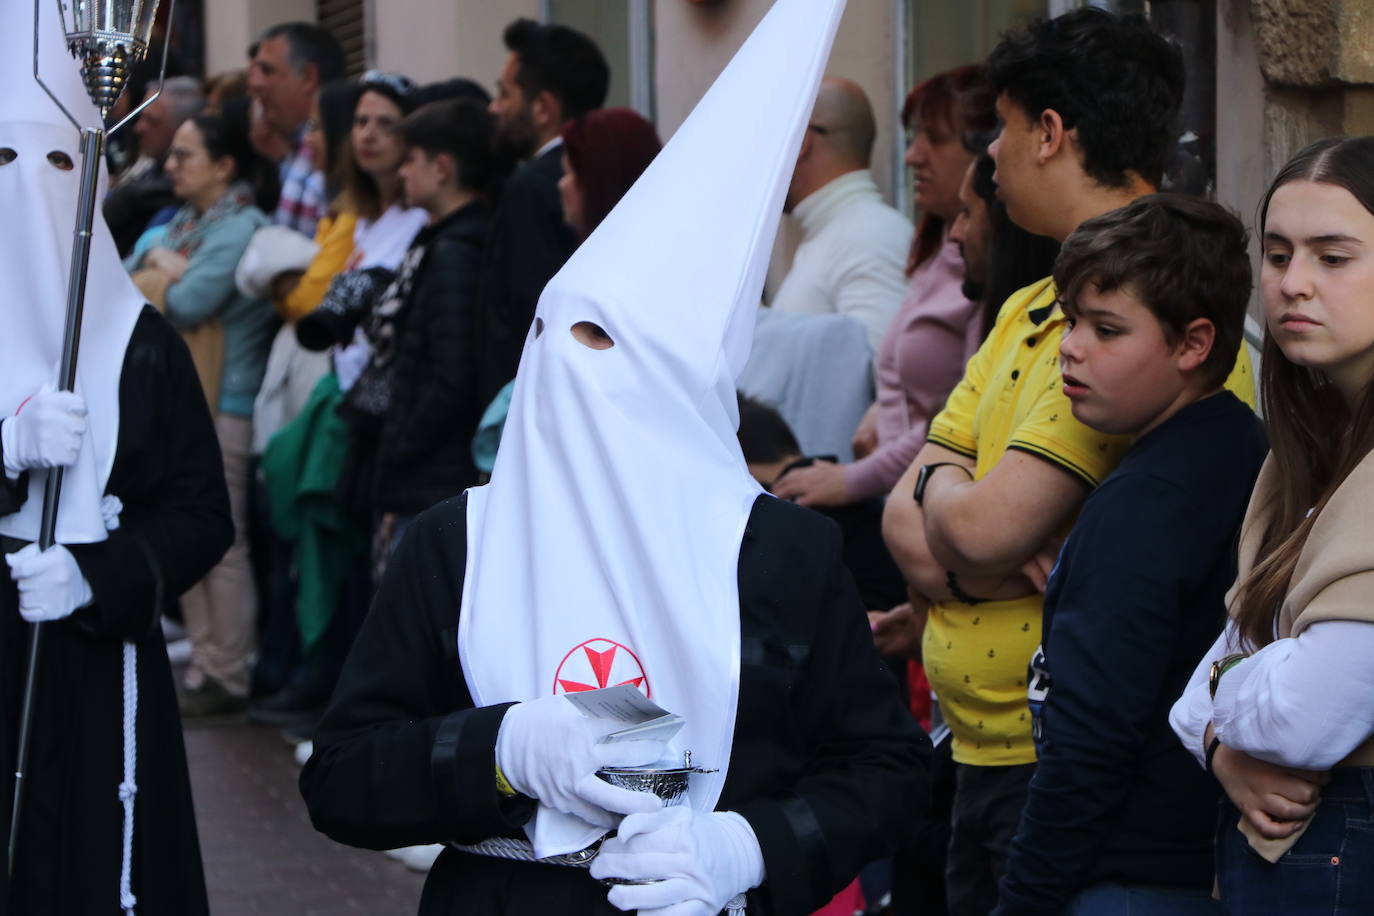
<point>39,203</point>
<point>604,550</point>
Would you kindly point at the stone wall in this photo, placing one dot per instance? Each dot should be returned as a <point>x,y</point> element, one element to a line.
<point>1289,72</point>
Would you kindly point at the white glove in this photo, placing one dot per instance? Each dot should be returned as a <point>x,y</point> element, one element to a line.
<point>45,433</point>
<point>548,751</point>
<point>50,583</point>
<point>701,860</point>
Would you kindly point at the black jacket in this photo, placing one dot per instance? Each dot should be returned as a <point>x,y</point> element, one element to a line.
<point>826,766</point>
<point>424,454</point>
<point>174,527</point>
<point>529,242</point>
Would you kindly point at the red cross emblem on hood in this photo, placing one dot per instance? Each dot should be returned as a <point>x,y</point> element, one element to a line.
<point>599,663</point>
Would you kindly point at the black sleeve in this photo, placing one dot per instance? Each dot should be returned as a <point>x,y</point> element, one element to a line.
<point>1116,620</point>
<point>865,776</point>
<point>13,493</point>
<point>446,395</point>
<point>401,758</point>
<point>173,529</point>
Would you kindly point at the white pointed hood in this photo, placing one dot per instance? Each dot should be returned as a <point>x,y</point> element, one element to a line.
<point>605,549</point>
<point>40,203</point>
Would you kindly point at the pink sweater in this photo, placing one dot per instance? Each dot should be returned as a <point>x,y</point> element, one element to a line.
<point>921,359</point>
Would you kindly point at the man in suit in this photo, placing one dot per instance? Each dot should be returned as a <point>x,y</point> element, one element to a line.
<point>552,75</point>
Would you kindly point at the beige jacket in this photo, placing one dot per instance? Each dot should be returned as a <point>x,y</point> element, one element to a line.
<point>1334,580</point>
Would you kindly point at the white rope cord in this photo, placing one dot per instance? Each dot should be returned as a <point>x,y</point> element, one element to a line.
<point>129,788</point>
<point>110,507</point>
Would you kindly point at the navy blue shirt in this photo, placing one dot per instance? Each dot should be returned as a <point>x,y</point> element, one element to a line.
<point>1136,599</point>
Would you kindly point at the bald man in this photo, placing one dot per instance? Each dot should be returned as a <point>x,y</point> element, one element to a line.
<point>852,257</point>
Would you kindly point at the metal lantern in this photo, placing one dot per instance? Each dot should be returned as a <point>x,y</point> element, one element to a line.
<point>109,38</point>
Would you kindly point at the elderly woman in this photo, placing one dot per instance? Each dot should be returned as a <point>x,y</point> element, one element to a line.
<point>213,168</point>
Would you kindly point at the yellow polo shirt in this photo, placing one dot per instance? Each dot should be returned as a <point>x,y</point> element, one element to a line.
<point>1011,397</point>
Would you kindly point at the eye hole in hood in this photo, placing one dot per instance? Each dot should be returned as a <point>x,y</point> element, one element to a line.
<point>592,335</point>
<point>61,160</point>
<point>7,155</point>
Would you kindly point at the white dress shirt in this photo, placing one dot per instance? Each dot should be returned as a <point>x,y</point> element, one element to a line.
<point>1305,702</point>
<point>852,257</point>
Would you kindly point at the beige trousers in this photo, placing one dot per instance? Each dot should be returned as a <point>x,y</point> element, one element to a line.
<point>221,610</point>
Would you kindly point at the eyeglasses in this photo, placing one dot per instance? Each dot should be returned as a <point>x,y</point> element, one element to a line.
<point>398,83</point>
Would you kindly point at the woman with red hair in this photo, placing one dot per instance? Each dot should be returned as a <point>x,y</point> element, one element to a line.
<point>604,153</point>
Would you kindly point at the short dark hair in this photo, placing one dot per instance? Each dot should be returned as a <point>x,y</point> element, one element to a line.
<point>1113,78</point>
<point>560,61</point>
<point>456,88</point>
<point>309,44</point>
<point>1184,258</point>
<point>764,435</point>
<point>459,128</point>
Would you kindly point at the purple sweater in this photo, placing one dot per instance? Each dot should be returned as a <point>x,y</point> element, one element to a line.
<point>921,359</point>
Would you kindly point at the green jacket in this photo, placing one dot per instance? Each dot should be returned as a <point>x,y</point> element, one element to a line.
<point>301,467</point>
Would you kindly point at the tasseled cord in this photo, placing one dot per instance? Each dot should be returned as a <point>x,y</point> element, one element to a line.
<point>110,507</point>
<point>128,788</point>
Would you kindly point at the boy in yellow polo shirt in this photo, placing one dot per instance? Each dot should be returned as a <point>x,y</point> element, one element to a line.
<point>1089,103</point>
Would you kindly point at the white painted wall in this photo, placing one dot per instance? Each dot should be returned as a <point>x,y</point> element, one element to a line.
<point>430,40</point>
<point>232,25</point>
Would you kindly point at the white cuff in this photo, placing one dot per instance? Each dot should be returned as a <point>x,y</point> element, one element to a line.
<point>744,847</point>
<point>7,449</point>
<point>1189,718</point>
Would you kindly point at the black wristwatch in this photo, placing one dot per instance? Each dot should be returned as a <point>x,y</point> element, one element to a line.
<point>1220,667</point>
<point>923,477</point>
<point>1211,753</point>
<point>959,594</point>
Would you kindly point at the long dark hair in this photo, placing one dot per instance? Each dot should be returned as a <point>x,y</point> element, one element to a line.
<point>959,100</point>
<point>226,134</point>
<point>337,101</point>
<point>1316,438</point>
<point>1015,258</point>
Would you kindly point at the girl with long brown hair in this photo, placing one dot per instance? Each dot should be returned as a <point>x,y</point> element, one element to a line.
<point>1281,709</point>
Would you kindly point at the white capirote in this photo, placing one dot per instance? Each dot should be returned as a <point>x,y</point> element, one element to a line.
<point>605,549</point>
<point>39,182</point>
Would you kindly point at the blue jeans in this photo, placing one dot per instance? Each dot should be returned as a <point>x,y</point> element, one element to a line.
<point>1138,900</point>
<point>1330,870</point>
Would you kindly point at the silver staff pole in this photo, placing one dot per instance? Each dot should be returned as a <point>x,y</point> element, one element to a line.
<point>108,38</point>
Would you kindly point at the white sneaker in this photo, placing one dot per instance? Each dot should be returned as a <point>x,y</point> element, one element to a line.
<point>417,858</point>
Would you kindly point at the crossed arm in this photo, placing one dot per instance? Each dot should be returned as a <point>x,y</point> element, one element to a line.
<point>985,531</point>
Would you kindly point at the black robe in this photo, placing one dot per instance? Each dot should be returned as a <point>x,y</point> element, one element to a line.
<point>174,527</point>
<point>827,766</point>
